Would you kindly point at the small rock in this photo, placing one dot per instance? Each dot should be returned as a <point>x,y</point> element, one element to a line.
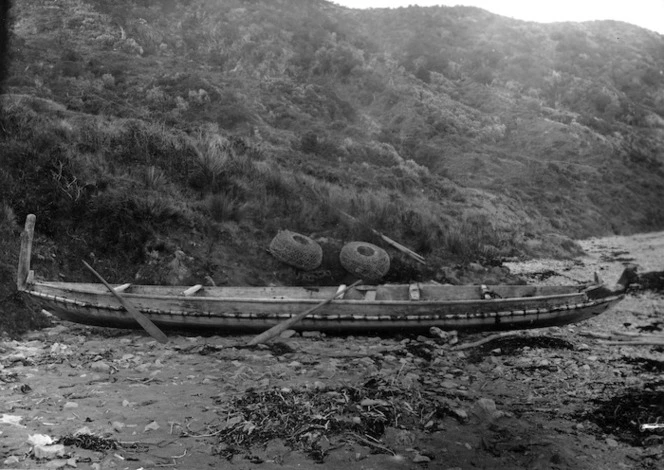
<point>461,415</point>
<point>398,438</point>
<point>448,384</point>
<point>69,405</point>
<point>49,452</point>
<point>485,409</point>
<point>311,334</point>
<point>11,460</point>
<point>421,459</point>
<point>287,334</point>
<point>56,463</point>
<point>83,431</point>
<point>100,366</point>
<point>40,440</point>
<point>611,442</point>
<point>11,419</point>
<point>117,426</point>
<point>583,347</point>
<point>435,331</point>
<point>153,426</point>
<point>56,330</point>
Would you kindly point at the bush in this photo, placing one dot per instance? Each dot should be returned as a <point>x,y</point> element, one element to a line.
<point>225,208</point>
<point>476,240</point>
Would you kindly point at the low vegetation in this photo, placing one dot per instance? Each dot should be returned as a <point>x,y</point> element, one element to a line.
<point>133,129</point>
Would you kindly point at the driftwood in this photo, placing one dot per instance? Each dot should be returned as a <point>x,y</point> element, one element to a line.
<point>642,342</point>
<point>488,339</point>
<point>626,338</point>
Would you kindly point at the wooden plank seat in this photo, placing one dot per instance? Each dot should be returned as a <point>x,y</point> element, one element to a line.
<point>192,290</point>
<point>414,291</point>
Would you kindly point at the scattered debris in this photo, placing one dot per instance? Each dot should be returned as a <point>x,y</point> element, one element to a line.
<point>89,442</point>
<point>11,419</point>
<point>48,452</point>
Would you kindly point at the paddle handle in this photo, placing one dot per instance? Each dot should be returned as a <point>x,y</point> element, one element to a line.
<point>286,324</point>
<point>142,320</point>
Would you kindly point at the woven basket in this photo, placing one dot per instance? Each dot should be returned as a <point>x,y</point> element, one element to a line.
<point>297,250</point>
<point>365,260</point>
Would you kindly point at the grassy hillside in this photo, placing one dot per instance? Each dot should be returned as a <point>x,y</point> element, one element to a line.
<point>137,128</point>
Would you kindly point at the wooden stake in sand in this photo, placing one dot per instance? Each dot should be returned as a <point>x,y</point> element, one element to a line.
<point>26,252</point>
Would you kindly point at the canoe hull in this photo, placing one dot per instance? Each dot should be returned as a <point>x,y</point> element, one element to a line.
<point>89,305</point>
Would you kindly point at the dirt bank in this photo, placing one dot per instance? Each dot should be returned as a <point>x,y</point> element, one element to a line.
<point>554,398</point>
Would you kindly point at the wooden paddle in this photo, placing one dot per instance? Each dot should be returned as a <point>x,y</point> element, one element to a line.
<point>144,321</point>
<point>286,324</point>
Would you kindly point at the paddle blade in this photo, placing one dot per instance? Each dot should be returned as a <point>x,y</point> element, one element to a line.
<point>142,320</point>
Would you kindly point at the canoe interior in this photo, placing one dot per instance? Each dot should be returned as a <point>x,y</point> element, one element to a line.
<point>395,292</point>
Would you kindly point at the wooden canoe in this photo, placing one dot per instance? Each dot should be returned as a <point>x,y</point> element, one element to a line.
<point>403,308</point>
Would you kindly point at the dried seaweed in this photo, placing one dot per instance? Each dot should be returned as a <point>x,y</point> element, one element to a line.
<point>307,418</point>
<point>624,413</point>
<point>512,345</point>
<point>645,364</point>
<point>89,442</point>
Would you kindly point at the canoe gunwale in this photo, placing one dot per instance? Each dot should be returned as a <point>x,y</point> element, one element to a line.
<point>34,289</point>
<point>323,317</point>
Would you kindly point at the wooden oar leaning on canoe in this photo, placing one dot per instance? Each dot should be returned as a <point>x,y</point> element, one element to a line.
<point>142,320</point>
<point>283,326</point>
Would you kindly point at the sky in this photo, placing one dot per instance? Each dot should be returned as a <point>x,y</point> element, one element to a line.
<point>648,14</point>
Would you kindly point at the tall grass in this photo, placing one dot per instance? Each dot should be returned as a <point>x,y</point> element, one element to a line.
<point>476,239</point>
<point>121,182</point>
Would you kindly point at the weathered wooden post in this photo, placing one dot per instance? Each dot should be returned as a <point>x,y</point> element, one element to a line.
<point>26,252</point>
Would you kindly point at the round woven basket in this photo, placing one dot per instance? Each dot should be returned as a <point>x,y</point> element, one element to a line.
<point>365,260</point>
<point>297,250</point>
